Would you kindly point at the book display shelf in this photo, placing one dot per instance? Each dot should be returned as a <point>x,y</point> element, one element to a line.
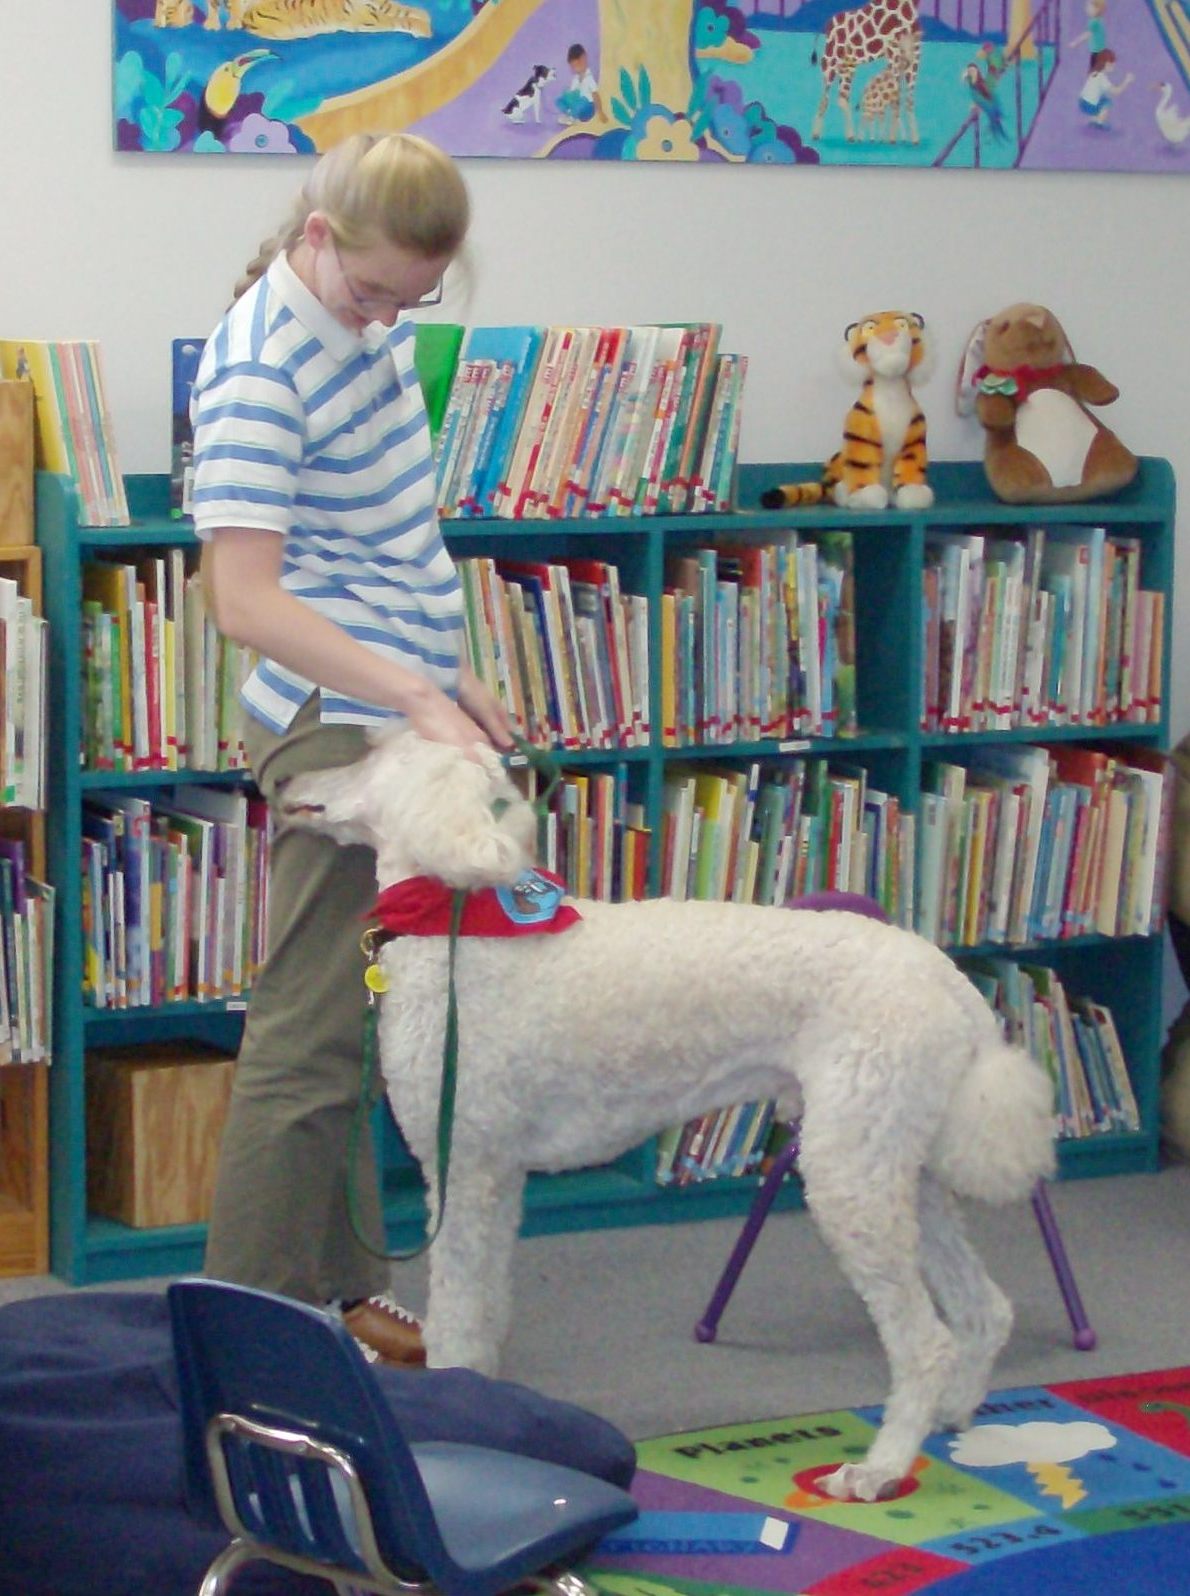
<point>889,559</point>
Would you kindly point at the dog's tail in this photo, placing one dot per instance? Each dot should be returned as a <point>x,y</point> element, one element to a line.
<point>997,1139</point>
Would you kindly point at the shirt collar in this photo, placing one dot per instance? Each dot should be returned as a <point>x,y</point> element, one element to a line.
<point>338,340</point>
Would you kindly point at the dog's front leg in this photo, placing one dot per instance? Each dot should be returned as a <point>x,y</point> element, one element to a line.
<point>470,1300</point>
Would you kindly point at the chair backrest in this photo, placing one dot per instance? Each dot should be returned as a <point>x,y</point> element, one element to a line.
<point>281,1364</point>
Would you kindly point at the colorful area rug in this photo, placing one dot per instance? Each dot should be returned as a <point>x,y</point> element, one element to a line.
<point>1081,1487</point>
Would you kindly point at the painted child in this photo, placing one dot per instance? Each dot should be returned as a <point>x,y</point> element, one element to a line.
<point>581,101</point>
<point>1095,33</point>
<point>1099,91</point>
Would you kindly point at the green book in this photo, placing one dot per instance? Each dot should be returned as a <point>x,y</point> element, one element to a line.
<point>436,347</point>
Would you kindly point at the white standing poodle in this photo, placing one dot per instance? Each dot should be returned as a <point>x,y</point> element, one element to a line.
<point>577,1046</point>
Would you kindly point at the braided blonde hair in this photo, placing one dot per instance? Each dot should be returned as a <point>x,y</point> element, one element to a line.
<point>396,187</point>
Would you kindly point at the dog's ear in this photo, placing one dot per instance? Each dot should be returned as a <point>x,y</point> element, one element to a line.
<point>330,801</point>
<point>463,819</point>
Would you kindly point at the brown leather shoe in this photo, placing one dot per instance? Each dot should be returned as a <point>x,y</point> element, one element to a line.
<point>390,1331</point>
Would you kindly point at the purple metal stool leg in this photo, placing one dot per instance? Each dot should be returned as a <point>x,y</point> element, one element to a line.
<point>1084,1336</point>
<point>707,1327</point>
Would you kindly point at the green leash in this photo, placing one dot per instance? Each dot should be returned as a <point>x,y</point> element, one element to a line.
<point>371,1080</point>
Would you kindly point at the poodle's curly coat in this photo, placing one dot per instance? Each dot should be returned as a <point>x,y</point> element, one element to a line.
<point>576,1047</point>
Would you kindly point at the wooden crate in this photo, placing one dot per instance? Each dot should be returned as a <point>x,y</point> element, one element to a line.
<point>24,1192</point>
<point>154,1120</point>
<point>16,461</point>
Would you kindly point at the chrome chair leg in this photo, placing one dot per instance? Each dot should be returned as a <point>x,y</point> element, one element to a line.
<point>217,1579</point>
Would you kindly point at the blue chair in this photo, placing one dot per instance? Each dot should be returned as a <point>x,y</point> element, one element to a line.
<point>290,1446</point>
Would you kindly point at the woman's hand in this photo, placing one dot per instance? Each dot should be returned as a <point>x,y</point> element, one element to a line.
<point>477,717</point>
<point>484,708</point>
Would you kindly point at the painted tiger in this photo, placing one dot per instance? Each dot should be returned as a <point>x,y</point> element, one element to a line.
<point>883,456</point>
<point>301,19</point>
<point>180,13</point>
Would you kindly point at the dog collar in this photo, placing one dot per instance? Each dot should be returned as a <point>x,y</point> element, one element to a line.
<point>420,907</point>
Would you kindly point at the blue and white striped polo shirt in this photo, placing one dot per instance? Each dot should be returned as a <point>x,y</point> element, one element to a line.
<point>306,429</point>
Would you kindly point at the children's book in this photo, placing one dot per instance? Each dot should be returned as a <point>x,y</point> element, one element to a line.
<point>30,359</point>
<point>700,496</point>
<point>493,400</point>
<point>72,425</point>
<point>520,347</point>
<point>694,427</point>
<point>723,487</point>
<point>457,479</point>
<point>594,412</point>
<point>436,346</point>
<point>669,365</point>
<point>574,362</point>
<point>457,423</point>
<point>635,375</point>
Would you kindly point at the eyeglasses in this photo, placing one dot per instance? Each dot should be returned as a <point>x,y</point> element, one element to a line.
<point>377,304</point>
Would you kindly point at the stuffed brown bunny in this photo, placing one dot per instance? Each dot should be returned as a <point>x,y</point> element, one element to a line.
<point>1042,445</point>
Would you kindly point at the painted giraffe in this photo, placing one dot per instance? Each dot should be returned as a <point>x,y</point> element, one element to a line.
<point>885,108</point>
<point>853,38</point>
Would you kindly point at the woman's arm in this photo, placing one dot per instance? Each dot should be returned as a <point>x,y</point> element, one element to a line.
<point>250,606</point>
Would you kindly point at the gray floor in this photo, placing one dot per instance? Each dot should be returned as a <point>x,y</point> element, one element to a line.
<point>605,1318</point>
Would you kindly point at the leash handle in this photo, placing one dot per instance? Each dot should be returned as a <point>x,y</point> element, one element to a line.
<point>543,762</point>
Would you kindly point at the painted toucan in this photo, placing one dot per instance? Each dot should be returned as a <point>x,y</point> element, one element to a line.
<point>223,88</point>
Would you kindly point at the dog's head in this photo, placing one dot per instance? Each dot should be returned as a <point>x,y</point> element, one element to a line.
<point>428,809</point>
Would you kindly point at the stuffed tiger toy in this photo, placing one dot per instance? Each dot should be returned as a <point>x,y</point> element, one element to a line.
<point>300,19</point>
<point>883,458</point>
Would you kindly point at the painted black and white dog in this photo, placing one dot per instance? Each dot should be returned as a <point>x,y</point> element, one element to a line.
<point>528,97</point>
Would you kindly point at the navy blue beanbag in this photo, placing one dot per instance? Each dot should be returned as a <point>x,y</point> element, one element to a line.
<point>91,1499</point>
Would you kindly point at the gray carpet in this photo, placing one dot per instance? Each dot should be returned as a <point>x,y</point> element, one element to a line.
<point>605,1318</point>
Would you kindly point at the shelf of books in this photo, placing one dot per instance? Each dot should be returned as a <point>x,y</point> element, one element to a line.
<point>960,712</point>
<point>158,850</point>
<point>26,919</point>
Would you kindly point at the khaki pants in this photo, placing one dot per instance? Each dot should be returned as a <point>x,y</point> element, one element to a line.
<point>279,1220</point>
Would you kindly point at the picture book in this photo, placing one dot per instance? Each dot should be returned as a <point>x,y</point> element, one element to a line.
<point>30,360</point>
<point>594,415</point>
<point>536,423</point>
<point>73,431</point>
<point>656,422</point>
<point>635,373</point>
<point>518,347</point>
<point>436,346</point>
<point>698,338</point>
<point>573,359</point>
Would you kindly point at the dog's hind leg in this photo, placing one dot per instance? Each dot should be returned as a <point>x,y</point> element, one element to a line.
<point>866,1208</point>
<point>470,1296</point>
<point>977,1311</point>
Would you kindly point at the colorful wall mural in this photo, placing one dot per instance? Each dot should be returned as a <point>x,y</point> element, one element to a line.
<point>1100,85</point>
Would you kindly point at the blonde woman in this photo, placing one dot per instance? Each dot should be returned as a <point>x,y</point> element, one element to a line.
<point>314,495</point>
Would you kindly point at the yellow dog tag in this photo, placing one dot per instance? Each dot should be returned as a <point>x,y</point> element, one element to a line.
<point>375,979</point>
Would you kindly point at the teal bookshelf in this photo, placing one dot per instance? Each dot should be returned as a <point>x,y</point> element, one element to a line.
<point>889,549</point>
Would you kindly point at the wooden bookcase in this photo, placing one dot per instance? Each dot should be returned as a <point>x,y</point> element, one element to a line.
<point>889,555</point>
<point>24,1089</point>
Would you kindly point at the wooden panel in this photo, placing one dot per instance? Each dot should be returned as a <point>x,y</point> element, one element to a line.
<point>22,561</point>
<point>16,462</point>
<point>154,1121</point>
<point>24,1206</point>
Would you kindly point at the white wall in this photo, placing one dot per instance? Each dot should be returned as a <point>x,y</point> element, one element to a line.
<point>137,249</point>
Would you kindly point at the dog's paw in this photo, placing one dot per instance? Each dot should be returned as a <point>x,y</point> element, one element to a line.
<point>859,1482</point>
